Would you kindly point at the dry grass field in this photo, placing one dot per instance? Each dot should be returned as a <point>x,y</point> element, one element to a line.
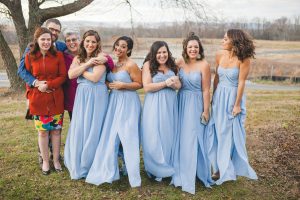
<point>273,143</point>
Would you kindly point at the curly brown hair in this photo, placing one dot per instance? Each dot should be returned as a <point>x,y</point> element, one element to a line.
<point>192,36</point>
<point>151,57</point>
<point>82,55</point>
<point>242,43</point>
<point>34,46</point>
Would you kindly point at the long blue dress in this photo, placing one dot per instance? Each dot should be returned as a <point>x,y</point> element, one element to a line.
<point>226,136</point>
<point>89,110</point>
<point>191,154</point>
<point>121,124</point>
<point>159,129</point>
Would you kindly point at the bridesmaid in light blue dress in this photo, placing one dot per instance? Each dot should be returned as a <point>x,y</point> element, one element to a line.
<point>159,117</point>
<point>193,103</point>
<point>226,136</point>
<point>90,106</point>
<point>121,121</point>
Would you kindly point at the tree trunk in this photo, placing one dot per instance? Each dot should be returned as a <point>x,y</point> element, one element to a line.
<point>37,16</point>
<point>10,65</point>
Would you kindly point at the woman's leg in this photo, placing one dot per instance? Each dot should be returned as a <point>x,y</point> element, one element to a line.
<point>55,138</point>
<point>43,141</point>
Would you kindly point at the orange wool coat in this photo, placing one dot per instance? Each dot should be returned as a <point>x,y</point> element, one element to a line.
<point>53,70</point>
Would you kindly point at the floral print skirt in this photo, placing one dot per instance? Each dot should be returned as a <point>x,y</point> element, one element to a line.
<point>48,123</point>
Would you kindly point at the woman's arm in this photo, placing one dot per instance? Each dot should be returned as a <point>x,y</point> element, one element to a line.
<point>136,77</point>
<point>77,68</point>
<point>244,71</point>
<point>96,75</point>
<point>206,80</point>
<point>216,78</point>
<point>148,85</point>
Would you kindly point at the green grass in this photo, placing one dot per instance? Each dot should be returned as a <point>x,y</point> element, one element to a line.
<point>272,120</point>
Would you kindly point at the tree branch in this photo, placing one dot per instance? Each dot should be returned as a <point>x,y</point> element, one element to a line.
<point>7,3</point>
<point>41,2</point>
<point>64,9</point>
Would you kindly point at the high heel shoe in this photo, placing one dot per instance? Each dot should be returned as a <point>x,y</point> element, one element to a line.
<point>215,176</point>
<point>58,170</point>
<point>46,173</point>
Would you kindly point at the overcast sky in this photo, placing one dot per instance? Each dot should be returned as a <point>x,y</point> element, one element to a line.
<point>151,11</point>
<point>112,11</point>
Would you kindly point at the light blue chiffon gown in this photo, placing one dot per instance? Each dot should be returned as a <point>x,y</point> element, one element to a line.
<point>191,154</point>
<point>159,129</point>
<point>226,136</point>
<point>89,110</point>
<point>121,125</point>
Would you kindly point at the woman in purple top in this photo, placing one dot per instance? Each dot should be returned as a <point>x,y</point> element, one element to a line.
<point>72,39</point>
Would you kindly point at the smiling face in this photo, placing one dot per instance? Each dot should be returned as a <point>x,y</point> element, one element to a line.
<point>192,49</point>
<point>55,30</point>
<point>226,43</point>
<point>44,42</point>
<point>162,55</point>
<point>90,44</point>
<point>121,48</point>
<point>72,43</point>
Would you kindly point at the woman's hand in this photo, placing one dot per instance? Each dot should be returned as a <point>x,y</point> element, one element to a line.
<point>94,61</point>
<point>101,59</point>
<point>43,87</point>
<point>169,82</point>
<point>236,110</point>
<point>172,81</point>
<point>37,83</point>
<point>116,85</point>
<point>206,116</point>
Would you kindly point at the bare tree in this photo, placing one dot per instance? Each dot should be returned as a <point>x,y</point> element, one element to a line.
<point>37,16</point>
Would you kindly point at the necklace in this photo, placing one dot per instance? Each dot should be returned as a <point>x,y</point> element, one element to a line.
<point>121,64</point>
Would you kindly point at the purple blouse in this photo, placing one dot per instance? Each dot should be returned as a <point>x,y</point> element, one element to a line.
<point>70,85</point>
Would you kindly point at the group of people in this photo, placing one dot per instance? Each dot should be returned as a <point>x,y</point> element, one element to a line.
<point>179,136</point>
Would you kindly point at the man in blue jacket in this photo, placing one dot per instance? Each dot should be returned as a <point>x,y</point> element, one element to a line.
<point>54,26</point>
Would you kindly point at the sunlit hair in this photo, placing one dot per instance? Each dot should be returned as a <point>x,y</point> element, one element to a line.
<point>129,42</point>
<point>242,43</point>
<point>151,57</point>
<point>53,20</point>
<point>185,42</point>
<point>34,46</point>
<point>82,52</point>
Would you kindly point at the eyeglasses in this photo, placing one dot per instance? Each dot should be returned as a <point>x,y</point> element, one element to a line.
<point>71,40</point>
<point>54,30</point>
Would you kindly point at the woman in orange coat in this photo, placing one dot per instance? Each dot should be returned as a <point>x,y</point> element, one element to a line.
<point>46,102</point>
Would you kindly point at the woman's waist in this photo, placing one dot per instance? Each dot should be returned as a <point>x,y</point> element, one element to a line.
<point>127,92</point>
<point>90,83</point>
<point>228,84</point>
<point>191,90</point>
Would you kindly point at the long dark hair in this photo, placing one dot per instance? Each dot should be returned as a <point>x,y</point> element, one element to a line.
<point>82,55</point>
<point>151,57</point>
<point>129,42</point>
<point>185,42</point>
<point>34,46</point>
<point>242,43</point>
